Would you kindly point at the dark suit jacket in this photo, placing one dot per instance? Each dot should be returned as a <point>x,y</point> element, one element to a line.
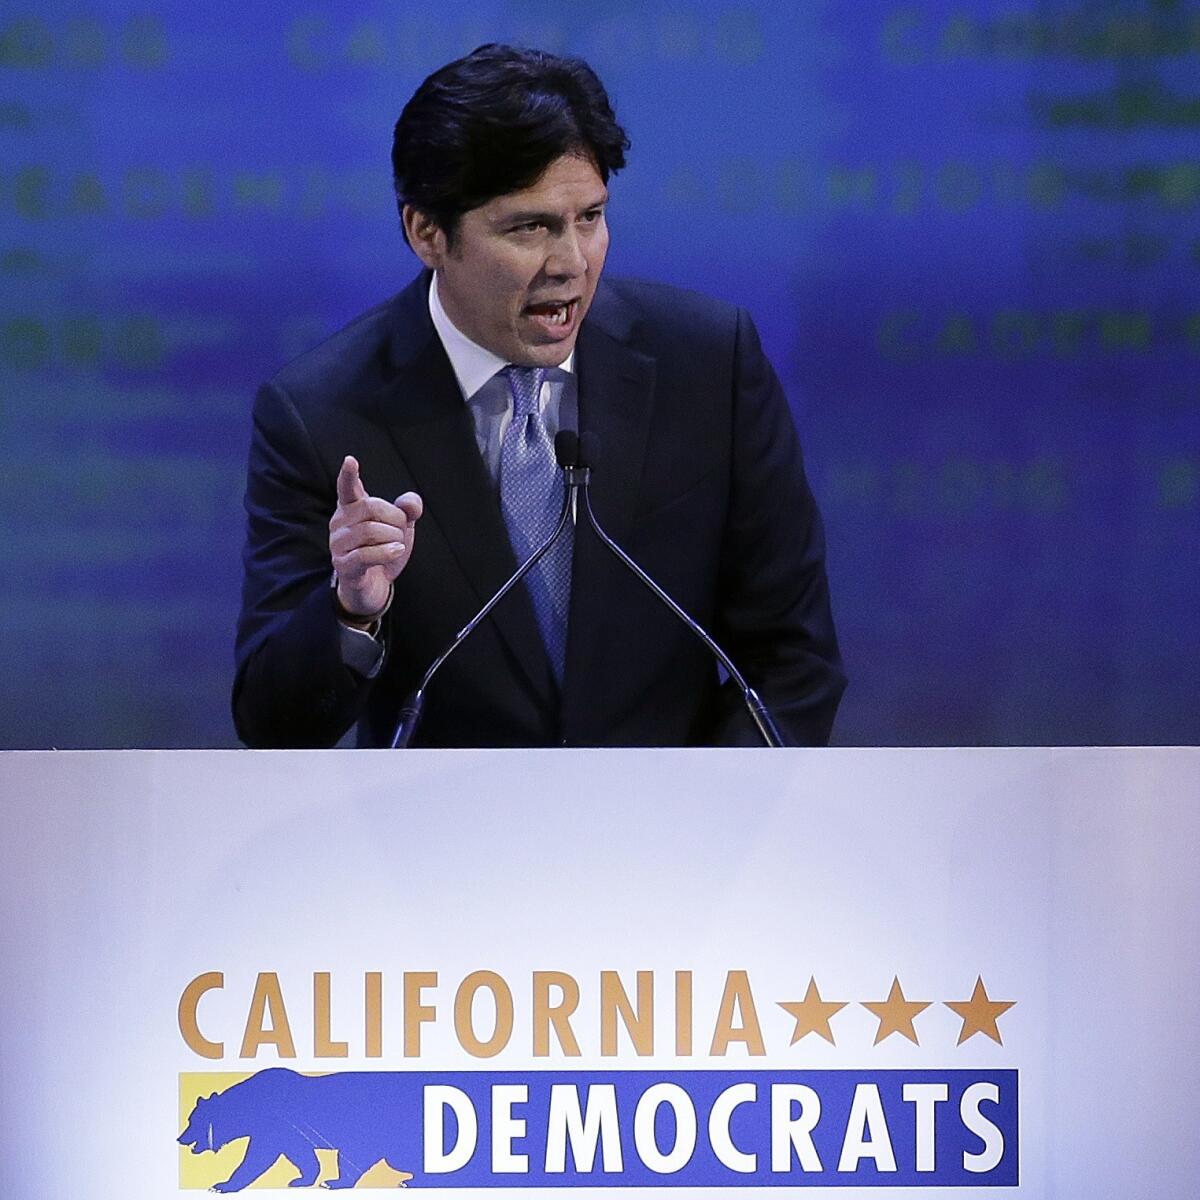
<point>699,479</point>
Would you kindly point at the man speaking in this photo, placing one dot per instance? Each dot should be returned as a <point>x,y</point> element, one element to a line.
<point>400,471</point>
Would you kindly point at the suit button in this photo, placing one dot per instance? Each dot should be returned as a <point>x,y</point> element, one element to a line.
<point>563,742</point>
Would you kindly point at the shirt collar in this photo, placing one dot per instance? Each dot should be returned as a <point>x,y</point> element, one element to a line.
<point>473,364</point>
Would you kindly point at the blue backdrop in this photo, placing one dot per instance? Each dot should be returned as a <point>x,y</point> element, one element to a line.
<point>969,233</point>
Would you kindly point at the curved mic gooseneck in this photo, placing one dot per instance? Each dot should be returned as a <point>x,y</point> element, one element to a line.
<point>759,713</point>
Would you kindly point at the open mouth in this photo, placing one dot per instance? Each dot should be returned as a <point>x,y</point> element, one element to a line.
<point>557,316</point>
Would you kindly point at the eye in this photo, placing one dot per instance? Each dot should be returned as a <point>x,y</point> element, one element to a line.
<point>527,227</point>
<point>592,216</point>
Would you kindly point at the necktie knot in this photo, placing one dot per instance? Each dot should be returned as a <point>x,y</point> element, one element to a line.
<point>526,386</point>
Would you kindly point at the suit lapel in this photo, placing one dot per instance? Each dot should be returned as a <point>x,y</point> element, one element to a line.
<point>423,410</point>
<point>616,402</point>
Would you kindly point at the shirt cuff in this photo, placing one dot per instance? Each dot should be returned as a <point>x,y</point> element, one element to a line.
<point>360,651</point>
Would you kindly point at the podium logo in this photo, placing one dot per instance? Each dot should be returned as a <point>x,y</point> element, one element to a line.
<point>532,1129</point>
<point>760,1125</point>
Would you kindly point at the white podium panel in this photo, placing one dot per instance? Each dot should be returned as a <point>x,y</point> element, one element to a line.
<point>586,973</point>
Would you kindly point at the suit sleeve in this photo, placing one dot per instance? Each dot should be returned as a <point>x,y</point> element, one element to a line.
<point>292,687</point>
<point>774,613</point>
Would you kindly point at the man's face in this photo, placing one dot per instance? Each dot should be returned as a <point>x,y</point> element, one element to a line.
<point>523,267</point>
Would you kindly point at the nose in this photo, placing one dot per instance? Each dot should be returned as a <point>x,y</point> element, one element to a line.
<point>566,259</point>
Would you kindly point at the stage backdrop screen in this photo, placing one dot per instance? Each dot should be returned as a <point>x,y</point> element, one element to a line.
<point>969,233</point>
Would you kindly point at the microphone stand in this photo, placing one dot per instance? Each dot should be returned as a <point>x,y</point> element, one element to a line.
<point>577,476</point>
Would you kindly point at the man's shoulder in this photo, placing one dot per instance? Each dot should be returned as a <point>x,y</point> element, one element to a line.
<point>358,355</point>
<point>663,311</point>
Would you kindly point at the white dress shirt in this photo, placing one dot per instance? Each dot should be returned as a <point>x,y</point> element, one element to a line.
<point>487,393</point>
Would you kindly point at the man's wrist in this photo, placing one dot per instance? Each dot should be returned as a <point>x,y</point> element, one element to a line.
<point>369,622</point>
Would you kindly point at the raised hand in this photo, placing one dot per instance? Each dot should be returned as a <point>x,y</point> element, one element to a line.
<point>370,542</point>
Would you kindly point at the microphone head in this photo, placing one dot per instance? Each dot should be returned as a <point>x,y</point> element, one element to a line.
<point>589,449</point>
<point>566,447</point>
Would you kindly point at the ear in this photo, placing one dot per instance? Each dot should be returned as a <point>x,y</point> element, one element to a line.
<point>425,236</point>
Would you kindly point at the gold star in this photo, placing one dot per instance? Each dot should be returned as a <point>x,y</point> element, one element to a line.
<point>896,1013</point>
<point>812,1014</point>
<point>979,1013</point>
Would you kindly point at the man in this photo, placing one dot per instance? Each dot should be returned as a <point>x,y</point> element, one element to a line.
<point>398,470</point>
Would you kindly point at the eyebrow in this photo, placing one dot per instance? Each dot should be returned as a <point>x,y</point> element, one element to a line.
<point>525,216</point>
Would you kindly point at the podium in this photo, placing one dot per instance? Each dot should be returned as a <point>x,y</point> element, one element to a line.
<point>600,972</point>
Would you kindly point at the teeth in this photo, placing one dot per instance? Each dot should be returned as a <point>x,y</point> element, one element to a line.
<point>557,315</point>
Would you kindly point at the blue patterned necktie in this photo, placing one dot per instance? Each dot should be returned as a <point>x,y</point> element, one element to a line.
<point>531,496</point>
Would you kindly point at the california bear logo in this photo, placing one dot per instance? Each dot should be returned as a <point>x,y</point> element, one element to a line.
<point>360,1115</point>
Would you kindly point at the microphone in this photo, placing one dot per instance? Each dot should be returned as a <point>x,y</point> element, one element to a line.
<point>589,448</point>
<point>566,453</point>
<point>570,451</point>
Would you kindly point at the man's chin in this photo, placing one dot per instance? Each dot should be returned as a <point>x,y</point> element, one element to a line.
<point>545,354</point>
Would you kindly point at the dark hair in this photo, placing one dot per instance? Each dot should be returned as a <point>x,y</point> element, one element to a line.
<point>492,122</point>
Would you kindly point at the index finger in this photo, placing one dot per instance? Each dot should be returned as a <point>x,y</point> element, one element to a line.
<point>349,485</point>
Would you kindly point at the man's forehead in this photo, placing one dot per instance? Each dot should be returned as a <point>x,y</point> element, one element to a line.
<point>569,183</point>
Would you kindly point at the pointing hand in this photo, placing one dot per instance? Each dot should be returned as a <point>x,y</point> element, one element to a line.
<point>370,542</point>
